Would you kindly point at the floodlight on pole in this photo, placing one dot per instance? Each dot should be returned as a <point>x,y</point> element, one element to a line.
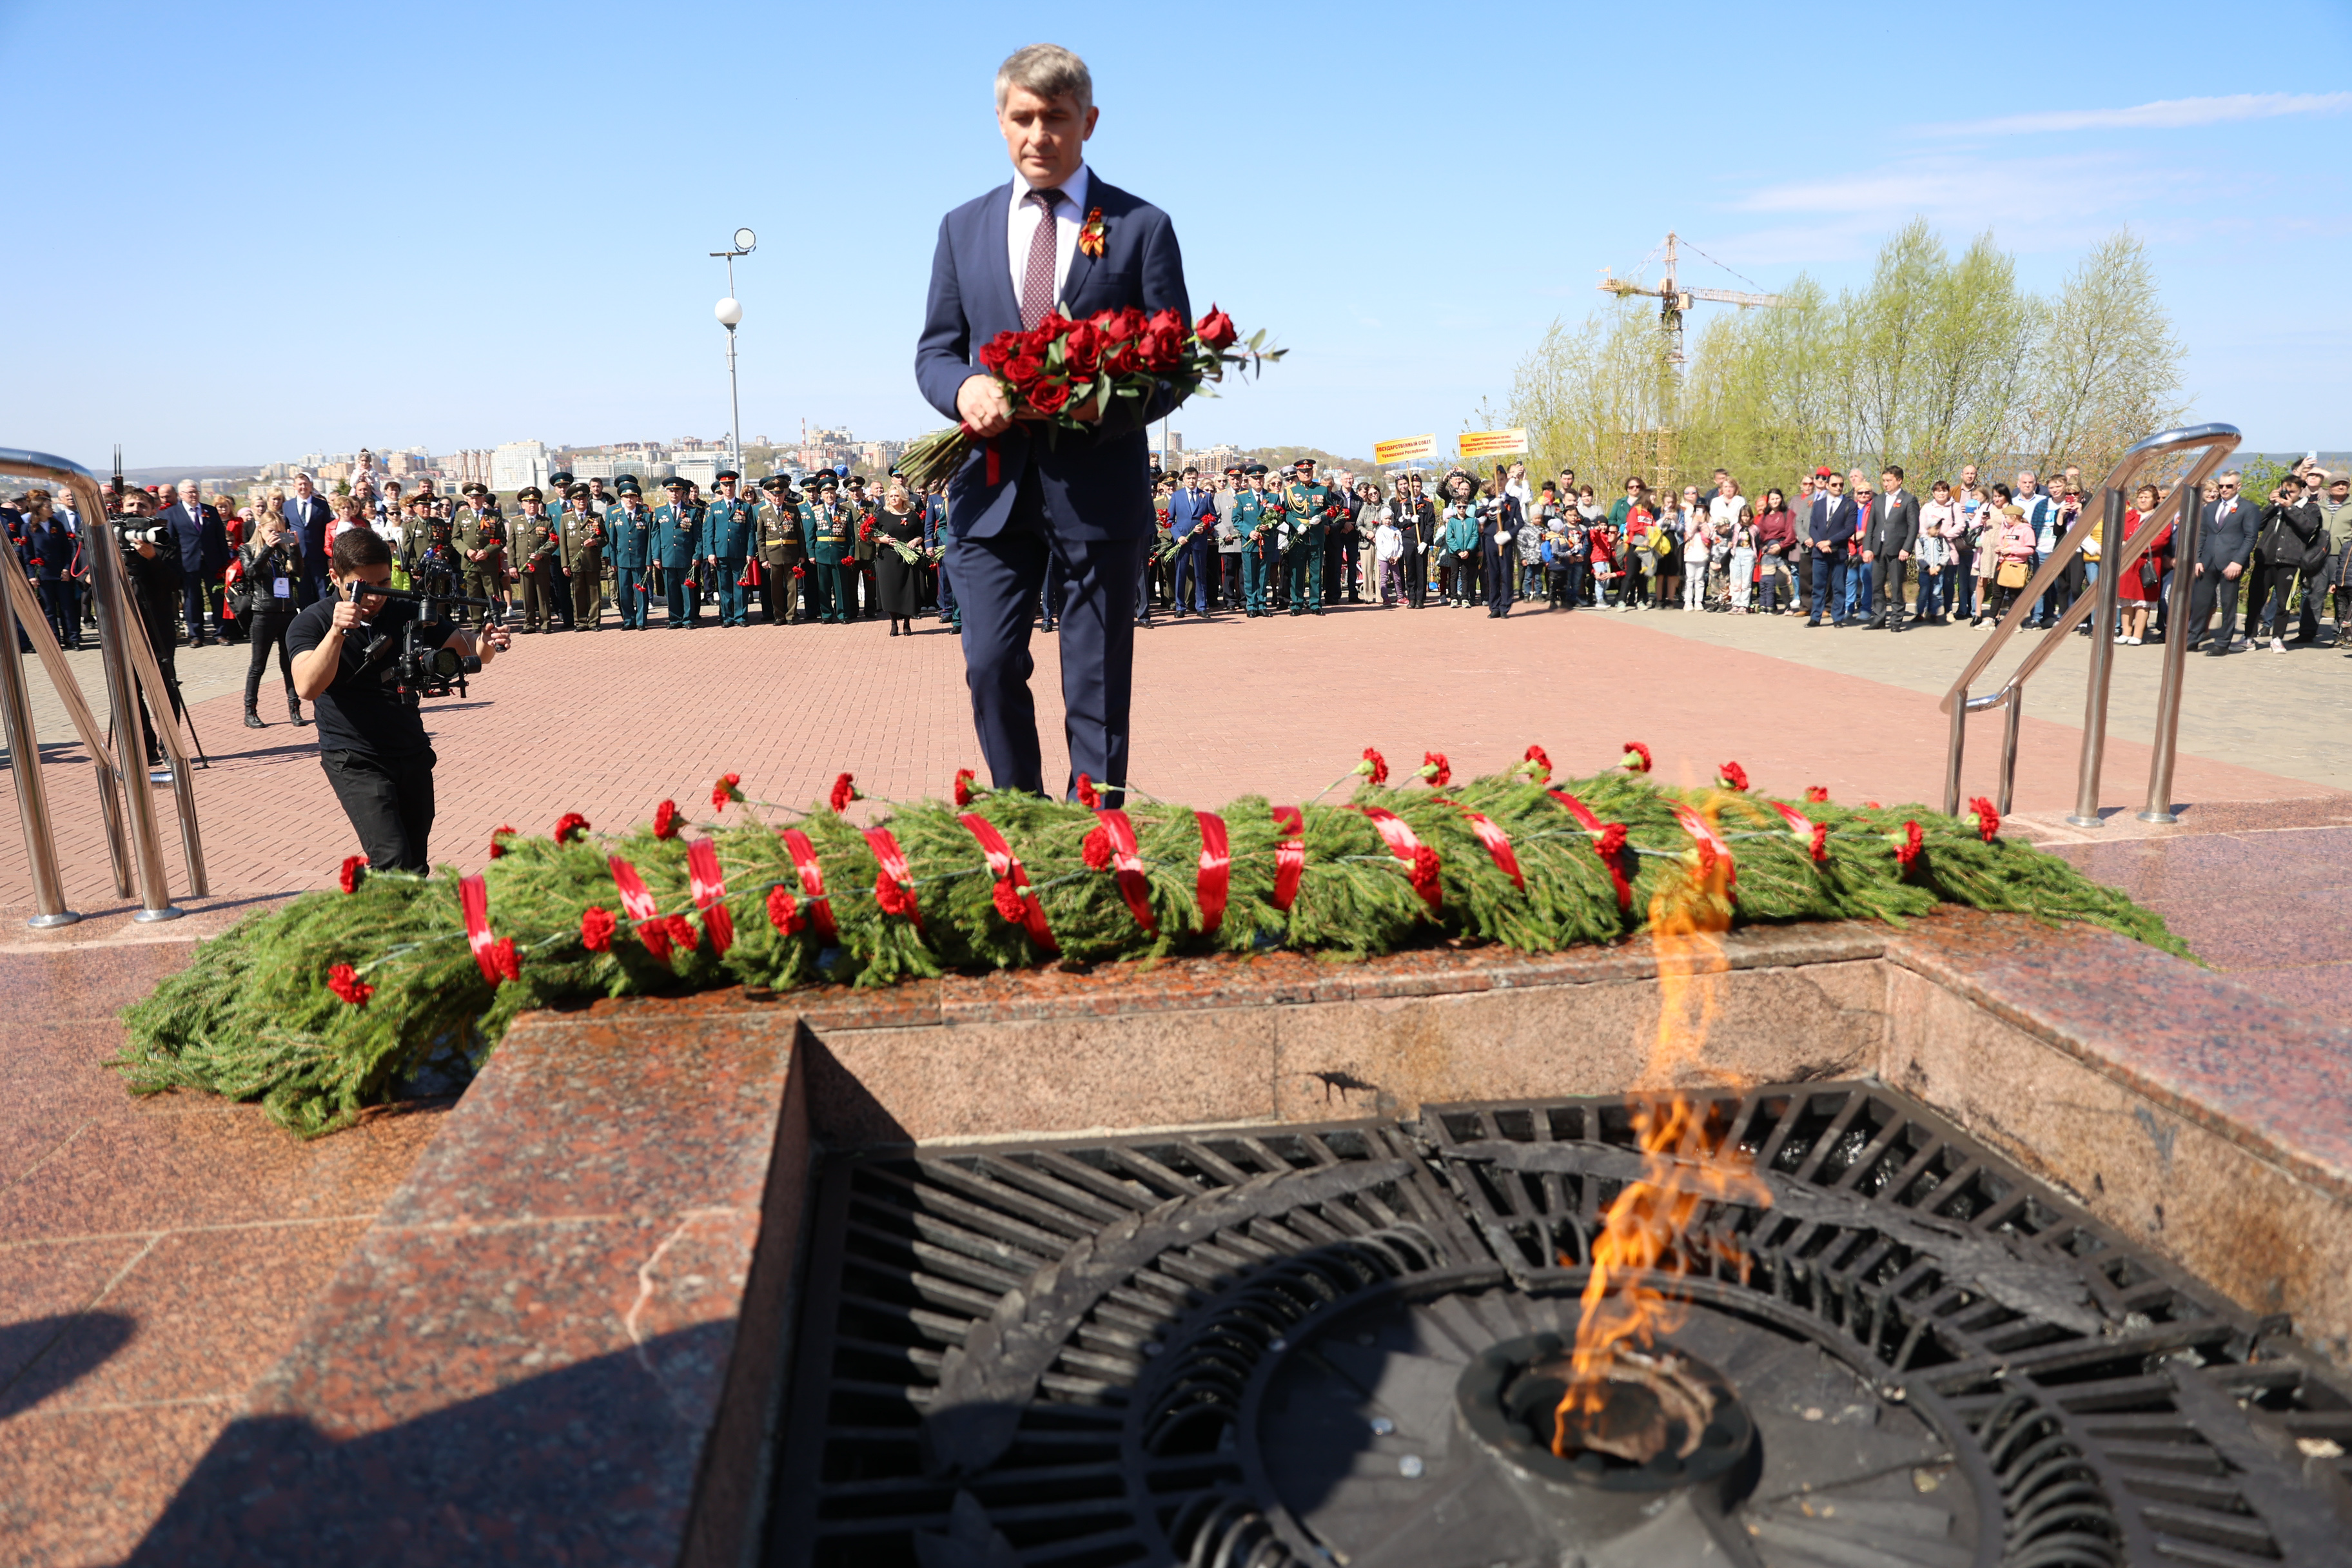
<point>730,312</point>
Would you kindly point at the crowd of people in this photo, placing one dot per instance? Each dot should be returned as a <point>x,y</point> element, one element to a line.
<point>1841,550</point>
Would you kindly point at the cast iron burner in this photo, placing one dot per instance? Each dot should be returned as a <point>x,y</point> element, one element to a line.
<point>1335,1346</point>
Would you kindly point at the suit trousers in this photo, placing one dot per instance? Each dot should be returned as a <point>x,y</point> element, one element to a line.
<point>1886,574</point>
<point>629,585</point>
<point>192,605</point>
<point>998,581</point>
<point>1829,583</point>
<point>1193,566</point>
<point>58,598</point>
<point>2207,592</point>
<point>1229,568</point>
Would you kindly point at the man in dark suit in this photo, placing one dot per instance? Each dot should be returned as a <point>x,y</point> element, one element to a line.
<point>1192,525</point>
<point>204,556</point>
<point>308,514</point>
<point>1894,533</point>
<point>2228,544</point>
<point>1082,504</point>
<point>1826,533</point>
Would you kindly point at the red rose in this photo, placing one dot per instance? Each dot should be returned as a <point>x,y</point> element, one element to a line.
<point>1053,325</point>
<point>1163,348</point>
<point>1818,793</point>
<point>963,782</point>
<point>1216,329</point>
<point>1082,349</point>
<point>345,981</point>
<point>844,790</point>
<point>1164,321</point>
<point>1087,796</point>
<point>681,931</point>
<point>1732,776</point>
<point>1023,368</point>
<point>1637,757</point>
<point>1536,755</point>
<point>596,927</point>
<point>354,869</point>
<point>570,826</point>
<point>1120,358</point>
<point>1436,769</point>
<point>1049,396</point>
<point>666,820</point>
<point>784,911</point>
<point>497,848</point>
<point>993,356</point>
<point>1096,850</point>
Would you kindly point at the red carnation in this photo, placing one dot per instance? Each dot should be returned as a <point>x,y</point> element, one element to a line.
<point>1436,769</point>
<point>844,790</point>
<point>345,981</point>
<point>1988,819</point>
<point>1818,793</point>
<point>1908,850</point>
<point>354,868</point>
<point>724,791</point>
<point>1023,368</point>
<point>570,826</point>
<point>1871,804</point>
<point>1542,761</point>
<point>1731,776</point>
<point>680,929</point>
<point>784,911</point>
<point>1425,873</point>
<point>1216,329</point>
<point>1007,902</point>
<point>497,848</point>
<point>1374,766</point>
<point>963,782</point>
<point>1821,843</point>
<point>1637,757</point>
<point>1049,396</point>
<point>505,960</point>
<point>596,927</point>
<point>1096,850</point>
<point>1611,842</point>
<point>1089,796</point>
<point>666,820</point>
<point>893,898</point>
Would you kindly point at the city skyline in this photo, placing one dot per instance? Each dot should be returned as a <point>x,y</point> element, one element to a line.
<point>1408,254</point>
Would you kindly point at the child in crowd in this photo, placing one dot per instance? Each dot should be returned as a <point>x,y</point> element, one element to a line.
<point>1388,553</point>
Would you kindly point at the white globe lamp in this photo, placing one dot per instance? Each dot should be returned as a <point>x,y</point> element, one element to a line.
<point>729,311</point>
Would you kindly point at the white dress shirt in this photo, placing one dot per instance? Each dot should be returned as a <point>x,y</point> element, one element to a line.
<point>1069,213</point>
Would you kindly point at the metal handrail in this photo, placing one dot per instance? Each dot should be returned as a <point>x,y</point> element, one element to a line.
<point>121,643</point>
<point>34,625</point>
<point>2117,553</point>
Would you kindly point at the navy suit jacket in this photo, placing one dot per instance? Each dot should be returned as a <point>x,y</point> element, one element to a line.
<point>1184,514</point>
<point>309,519</point>
<point>204,542</point>
<point>1833,521</point>
<point>1094,485</point>
<point>2229,540</point>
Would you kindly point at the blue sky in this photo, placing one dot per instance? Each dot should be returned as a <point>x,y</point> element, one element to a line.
<point>460,224</point>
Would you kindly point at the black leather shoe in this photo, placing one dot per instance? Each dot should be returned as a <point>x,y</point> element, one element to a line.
<point>253,721</point>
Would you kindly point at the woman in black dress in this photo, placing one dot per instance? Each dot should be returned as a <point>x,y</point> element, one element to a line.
<point>897,556</point>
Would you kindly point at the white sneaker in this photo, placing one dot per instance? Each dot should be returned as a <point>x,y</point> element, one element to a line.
<point>2133,641</point>
<point>2121,641</point>
<point>2277,645</point>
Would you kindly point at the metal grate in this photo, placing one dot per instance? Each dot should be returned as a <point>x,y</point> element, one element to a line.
<point>1222,1348</point>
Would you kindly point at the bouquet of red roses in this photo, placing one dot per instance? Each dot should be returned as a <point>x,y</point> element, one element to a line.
<point>1060,370</point>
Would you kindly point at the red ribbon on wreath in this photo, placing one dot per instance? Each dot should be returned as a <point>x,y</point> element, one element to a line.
<point>1216,876</point>
<point>1402,844</point>
<point>1711,847</point>
<point>1612,857</point>
<point>804,854</point>
<point>644,913</point>
<point>1498,843</point>
<point>894,890</point>
<point>710,887</point>
<point>1015,901</point>
<point>1289,856</point>
<point>1813,837</point>
<point>1129,860</point>
<point>494,955</point>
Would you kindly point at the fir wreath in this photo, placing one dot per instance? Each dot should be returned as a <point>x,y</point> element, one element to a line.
<point>317,1007</point>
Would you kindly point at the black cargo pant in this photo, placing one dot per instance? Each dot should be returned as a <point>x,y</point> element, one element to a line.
<point>390,802</point>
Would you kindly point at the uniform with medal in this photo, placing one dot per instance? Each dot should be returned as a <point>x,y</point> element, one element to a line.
<point>629,532</point>
<point>730,530</point>
<point>832,561</point>
<point>540,542</point>
<point>481,550</point>
<point>584,544</point>
<point>784,550</point>
<point>1304,502</point>
<point>678,546</point>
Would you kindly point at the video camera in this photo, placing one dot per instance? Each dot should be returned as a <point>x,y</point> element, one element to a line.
<point>131,532</point>
<point>415,671</point>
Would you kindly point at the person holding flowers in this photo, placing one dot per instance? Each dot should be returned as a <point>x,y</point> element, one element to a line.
<point>897,540</point>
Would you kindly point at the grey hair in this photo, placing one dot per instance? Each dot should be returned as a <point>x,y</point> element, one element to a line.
<point>1048,70</point>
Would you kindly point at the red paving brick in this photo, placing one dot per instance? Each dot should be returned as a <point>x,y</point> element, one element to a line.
<point>612,722</point>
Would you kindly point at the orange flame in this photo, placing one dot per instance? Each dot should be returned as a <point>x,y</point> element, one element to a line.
<point>1644,1243</point>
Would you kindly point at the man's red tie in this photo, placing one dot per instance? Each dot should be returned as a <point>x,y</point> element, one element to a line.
<point>1037,277</point>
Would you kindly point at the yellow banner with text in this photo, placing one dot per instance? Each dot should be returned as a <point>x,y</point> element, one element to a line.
<point>1405,450</point>
<point>1491,444</point>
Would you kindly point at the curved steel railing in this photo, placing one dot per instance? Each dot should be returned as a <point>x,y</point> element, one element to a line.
<point>2116,554</point>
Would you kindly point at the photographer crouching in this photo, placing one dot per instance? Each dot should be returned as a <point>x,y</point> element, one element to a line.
<point>363,657</point>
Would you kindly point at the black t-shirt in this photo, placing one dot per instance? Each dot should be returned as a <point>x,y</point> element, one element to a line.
<point>360,711</point>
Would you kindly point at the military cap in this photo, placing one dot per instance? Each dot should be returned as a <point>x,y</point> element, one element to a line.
<point>776,482</point>
<point>627,485</point>
<point>1255,469</point>
<point>560,478</point>
<point>529,492</point>
<point>578,492</point>
<point>678,484</point>
<point>828,482</point>
<point>1235,469</point>
<point>725,474</point>
<point>1304,463</point>
<point>476,489</point>
<point>420,499</point>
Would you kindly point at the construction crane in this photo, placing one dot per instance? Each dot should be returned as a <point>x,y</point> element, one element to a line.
<point>1673,298</point>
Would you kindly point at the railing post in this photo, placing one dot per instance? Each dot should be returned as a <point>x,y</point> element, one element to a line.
<point>2186,538</point>
<point>2103,664</point>
<point>25,763</point>
<point>2009,723</point>
<point>1952,758</point>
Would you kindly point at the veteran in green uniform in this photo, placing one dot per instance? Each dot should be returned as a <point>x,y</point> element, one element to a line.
<point>832,548</point>
<point>540,542</point>
<point>481,550</point>
<point>677,544</point>
<point>1252,519</point>
<point>729,531</point>
<point>1304,502</point>
<point>583,545</point>
<point>783,547</point>
<point>629,535</point>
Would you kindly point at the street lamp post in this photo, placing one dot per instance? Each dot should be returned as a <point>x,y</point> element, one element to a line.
<point>730,312</point>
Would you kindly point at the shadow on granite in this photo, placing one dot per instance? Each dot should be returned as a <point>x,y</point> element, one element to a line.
<point>61,1349</point>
